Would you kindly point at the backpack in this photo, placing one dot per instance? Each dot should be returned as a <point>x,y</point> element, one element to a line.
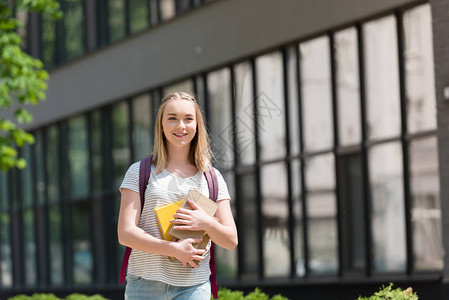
<point>144,176</point>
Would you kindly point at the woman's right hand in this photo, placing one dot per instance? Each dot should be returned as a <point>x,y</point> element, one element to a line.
<point>186,253</point>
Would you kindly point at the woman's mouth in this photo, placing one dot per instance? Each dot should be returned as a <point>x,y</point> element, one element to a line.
<point>180,135</point>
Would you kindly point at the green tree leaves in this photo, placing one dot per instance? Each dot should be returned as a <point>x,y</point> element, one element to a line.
<point>23,80</point>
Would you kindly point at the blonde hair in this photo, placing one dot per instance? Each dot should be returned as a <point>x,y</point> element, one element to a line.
<point>200,152</point>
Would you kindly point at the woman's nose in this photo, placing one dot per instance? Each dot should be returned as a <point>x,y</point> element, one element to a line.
<point>181,124</point>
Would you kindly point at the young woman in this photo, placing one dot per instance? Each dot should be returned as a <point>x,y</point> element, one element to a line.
<point>181,155</point>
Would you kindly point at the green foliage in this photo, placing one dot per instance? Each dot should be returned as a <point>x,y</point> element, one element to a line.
<point>74,296</point>
<point>23,80</point>
<point>257,294</point>
<point>388,293</point>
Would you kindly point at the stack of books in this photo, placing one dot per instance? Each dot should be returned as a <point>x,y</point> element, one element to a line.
<point>165,213</point>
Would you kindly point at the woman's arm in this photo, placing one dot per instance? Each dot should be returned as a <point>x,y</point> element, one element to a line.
<point>223,232</point>
<point>129,234</point>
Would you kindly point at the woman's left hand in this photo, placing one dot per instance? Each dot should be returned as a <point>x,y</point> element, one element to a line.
<point>187,219</point>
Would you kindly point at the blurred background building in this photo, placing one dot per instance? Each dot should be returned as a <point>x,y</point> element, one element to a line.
<point>323,117</point>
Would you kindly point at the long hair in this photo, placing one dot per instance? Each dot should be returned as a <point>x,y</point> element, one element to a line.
<point>200,152</point>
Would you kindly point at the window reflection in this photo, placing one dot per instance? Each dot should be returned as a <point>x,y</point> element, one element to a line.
<point>220,117</point>
<point>28,218</point>
<point>120,142</point>
<point>56,254</point>
<point>382,78</point>
<point>78,157</point>
<point>40,167</point>
<point>226,261</point>
<point>387,201</point>
<point>5,251</point>
<point>321,213</point>
<point>183,86</point>
<point>352,205</point>
<point>82,250</point>
<point>97,157</point>
<point>276,239</point>
<point>73,28</point>
<point>4,191</point>
<point>293,100</point>
<point>48,41</point>
<point>419,71</point>
<point>168,9</point>
<point>426,207</point>
<point>142,127</point>
<point>116,15</point>
<point>298,217</point>
<point>246,191</point>
<point>270,106</point>
<point>52,162</point>
<point>138,15</point>
<point>244,103</point>
<point>316,91</point>
<point>348,88</point>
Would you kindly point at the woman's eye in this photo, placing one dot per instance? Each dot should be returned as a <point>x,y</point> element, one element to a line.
<point>172,118</point>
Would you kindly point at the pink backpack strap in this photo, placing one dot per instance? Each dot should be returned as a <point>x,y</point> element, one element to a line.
<point>144,176</point>
<point>212,183</point>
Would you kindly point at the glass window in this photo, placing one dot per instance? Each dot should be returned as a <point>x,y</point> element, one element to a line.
<point>138,15</point>
<point>316,94</point>
<point>28,218</point>
<point>298,228</point>
<point>27,177</point>
<point>168,9</point>
<point>182,5</point>
<point>56,250</point>
<point>348,88</point>
<point>48,41</point>
<point>4,191</point>
<point>276,240</point>
<point>270,106</point>
<point>52,161</point>
<point>220,117</point>
<point>97,156</point>
<point>183,86</point>
<point>248,201</point>
<point>5,251</point>
<point>154,12</point>
<point>81,243</point>
<point>387,201</point>
<point>419,69</point>
<point>293,108</point>
<point>226,261</point>
<point>78,154</point>
<point>73,28</point>
<point>40,167</point>
<point>54,212</point>
<point>120,142</point>
<point>382,78</point>
<point>426,206</point>
<point>352,212</point>
<point>321,214</point>
<point>29,246</point>
<point>244,106</point>
<point>23,17</point>
<point>143,131</point>
<point>117,27</point>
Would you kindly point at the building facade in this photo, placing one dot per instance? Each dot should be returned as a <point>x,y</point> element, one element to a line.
<point>328,121</point>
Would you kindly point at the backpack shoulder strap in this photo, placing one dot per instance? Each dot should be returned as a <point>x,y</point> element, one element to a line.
<point>212,182</point>
<point>144,176</point>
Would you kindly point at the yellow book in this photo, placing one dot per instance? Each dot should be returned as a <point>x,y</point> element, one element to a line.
<point>164,214</point>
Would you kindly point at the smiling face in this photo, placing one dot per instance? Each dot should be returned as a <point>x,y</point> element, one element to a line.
<point>179,122</point>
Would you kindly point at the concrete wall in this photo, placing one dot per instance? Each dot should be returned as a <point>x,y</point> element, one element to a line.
<point>202,39</point>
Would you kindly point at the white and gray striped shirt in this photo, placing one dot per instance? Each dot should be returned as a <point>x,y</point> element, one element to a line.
<point>164,188</point>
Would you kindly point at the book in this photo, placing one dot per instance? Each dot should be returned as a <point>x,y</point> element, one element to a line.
<point>164,214</point>
<point>209,207</point>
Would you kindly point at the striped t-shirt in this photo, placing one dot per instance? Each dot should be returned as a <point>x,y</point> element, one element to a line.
<point>164,188</point>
